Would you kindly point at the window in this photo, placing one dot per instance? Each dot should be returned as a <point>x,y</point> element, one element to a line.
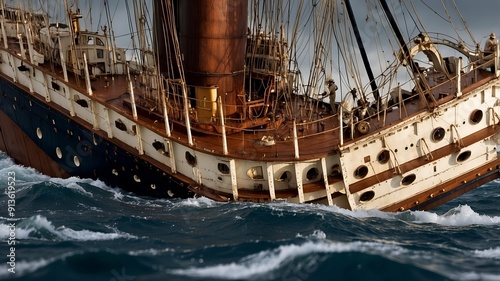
<point>409,179</point>
<point>191,159</point>
<point>361,172</point>
<point>438,134</point>
<point>476,116</point>
<point>223,168</point>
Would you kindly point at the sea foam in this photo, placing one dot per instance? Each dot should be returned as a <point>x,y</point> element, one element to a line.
<point>462,215</point>
<point>37,224</point>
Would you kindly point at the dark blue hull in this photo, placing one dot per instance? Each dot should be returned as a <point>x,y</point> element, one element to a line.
<point>78,150</point>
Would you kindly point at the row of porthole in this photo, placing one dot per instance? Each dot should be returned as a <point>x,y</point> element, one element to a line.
<point>409,179</point>
<point>362,171</point>
<point>138,179</point>
<point>77,163</point>
<point>370,194</point>
<point>256,173</point>
<point>437,135</point>
<point>59,154</point>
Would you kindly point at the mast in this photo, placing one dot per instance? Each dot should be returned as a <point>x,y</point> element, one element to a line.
<point>362,50</point>
<point>396,30</point>
<point>406,53</point>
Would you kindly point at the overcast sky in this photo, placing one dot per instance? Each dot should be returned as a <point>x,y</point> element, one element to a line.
<point>481,16</point>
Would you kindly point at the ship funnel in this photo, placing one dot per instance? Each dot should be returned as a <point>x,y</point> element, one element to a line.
<point>212,36</point>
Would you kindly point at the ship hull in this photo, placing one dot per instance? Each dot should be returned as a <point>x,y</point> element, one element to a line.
<point>22,117</point>
<point>66,148</point>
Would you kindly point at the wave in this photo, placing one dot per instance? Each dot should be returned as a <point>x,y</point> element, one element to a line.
<point>150,252</point>
<point>492,253</point>
<point>27,267</point>
<point>269,260</point>
<point>462,215</point>
<point>40,227</point>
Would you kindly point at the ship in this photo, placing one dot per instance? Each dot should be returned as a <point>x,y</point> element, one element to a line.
<point>227,99</point>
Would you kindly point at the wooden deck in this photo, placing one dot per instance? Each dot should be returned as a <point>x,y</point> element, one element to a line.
<point>315,139</point>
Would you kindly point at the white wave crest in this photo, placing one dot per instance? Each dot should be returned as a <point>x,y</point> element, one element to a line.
<point>269,260</point>
<point>38,223</point>
<point>150,252</point>
<point>318,234</point>
<point>460,216</point>
<point>75,184</point>
<point>492,253</point>
<point>20,233</point>
<point>24,267</point>
<point>201,202</point>
<point>473,276</point>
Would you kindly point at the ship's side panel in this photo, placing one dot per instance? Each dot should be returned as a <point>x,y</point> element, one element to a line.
<point>424,153</point>
<point>36,135</point>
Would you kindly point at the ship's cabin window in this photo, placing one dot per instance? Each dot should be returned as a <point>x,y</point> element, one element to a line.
<point>191,159</point>
<point>384,156</point>
<point>438,134</point>
<point>336,173</point>
<point>91,40</point>
<point>76,160</point>
<point>223,168</point>
<point>476,116</point>
<point>312,174</point>
<point>409,179</point>
<point>464,156</point>
<point>286,176</point>
<point>367,196</point>
<point>361,172</point>
<point>255,172</point>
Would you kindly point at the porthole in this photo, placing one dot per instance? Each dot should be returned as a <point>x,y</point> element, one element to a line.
<point>58,152</point>
<point>438,134</point>
<point>255,172</point>
<point>476,116</point>
<point>223,168</point>
<point>367,196</point>
<point>286,176</point>
<point>409,179</point>
<point>170,193</point>
<point>76,161</point>
<point>336,171</point>
<point>361,172</point>
<point>312,174</point>
<point>120,125</point>
<point>39,133</point>
<point>190,158</point>
<point>114,172</point>
<point>463,156</point>
<point>137,178</point>
<point>153,186</point>
<point>384,156</point>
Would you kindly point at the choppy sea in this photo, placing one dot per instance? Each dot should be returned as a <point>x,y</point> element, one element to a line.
<point>82,229</point>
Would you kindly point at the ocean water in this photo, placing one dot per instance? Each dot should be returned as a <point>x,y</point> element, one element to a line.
<point>81,229</point>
